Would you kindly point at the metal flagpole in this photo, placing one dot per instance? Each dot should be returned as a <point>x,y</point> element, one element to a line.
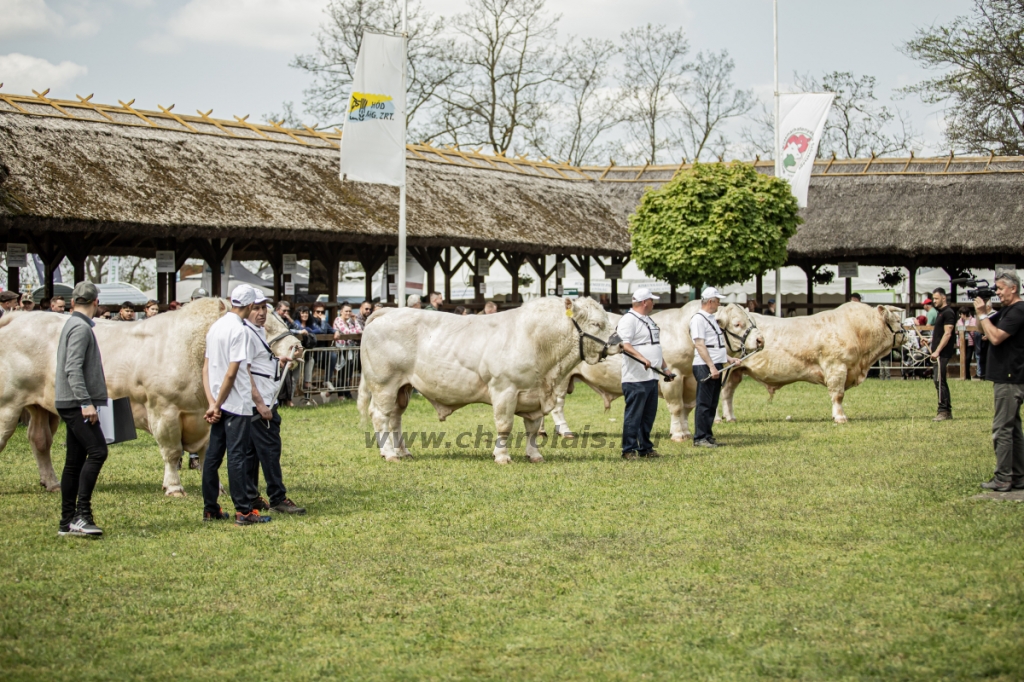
<point>778,146</point>
<point>401,189</point>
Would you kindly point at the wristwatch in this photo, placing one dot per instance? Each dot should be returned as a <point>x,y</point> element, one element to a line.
<point>984,317</point>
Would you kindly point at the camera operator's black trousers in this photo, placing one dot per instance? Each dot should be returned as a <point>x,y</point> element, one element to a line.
<point>229,435</point>
<point>708,392</point>
<point>941,385</point>
<point>86,452</point>
<point>265,453</point>
<point>1007,436</point>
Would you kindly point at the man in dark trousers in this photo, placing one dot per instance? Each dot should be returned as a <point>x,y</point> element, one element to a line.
<point>1005,369</point>
<point>709,358</point>
<point>641,339</point>
<point>266,371</point>
<point>943,347</point>
<point>80,388</point>
<point>229,392</point>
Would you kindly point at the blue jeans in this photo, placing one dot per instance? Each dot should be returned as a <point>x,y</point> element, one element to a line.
<point>641,409</point>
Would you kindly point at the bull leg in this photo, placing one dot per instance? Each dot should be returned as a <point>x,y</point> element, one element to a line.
<point>558,415</point>
<point>674,396</point>
<point>532,431</point>
<point>41,427</point>
<point>836,382</point>
<point>383,403</point>
<point>504,418</point>
<point>166,430</point>
<point>402,403</point>
<point>728,391</point>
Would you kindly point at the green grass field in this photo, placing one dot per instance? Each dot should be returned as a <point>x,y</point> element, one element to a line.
<point>803,550</point>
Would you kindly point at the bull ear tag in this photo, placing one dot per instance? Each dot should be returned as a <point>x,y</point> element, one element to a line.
<point>568,312</point>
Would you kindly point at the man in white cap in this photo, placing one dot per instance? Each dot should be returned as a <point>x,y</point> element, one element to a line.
<point>229,392</point>
<point>641,339</point>
<point>709,357</point>
<point>266,371</point>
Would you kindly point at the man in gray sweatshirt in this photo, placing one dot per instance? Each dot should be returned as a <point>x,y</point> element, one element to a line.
<point>80,388</point>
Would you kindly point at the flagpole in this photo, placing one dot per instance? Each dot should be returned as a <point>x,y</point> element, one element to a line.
<point>778,146</point>
<point>401,188</point>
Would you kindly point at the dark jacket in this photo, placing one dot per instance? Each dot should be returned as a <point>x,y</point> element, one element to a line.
<point>79,376</point>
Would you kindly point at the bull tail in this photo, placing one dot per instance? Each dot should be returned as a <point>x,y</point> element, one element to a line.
<point>363,401</point>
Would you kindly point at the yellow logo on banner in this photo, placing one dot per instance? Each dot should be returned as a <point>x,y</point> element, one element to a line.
<point>360,99</point>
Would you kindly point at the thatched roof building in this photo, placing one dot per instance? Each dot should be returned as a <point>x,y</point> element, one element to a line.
<point>79,178</point>
<point>182,177</point>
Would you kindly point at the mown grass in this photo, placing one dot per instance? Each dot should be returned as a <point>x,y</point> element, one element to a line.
<point>804,550</point>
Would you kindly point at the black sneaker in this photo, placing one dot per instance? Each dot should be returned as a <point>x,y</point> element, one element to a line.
<point>261,504</point>
<point>219,515</point>
<point>64,529</point>
<point>251,518</point>
<point>84,527</point>
<point>995,485</point>
<point>653,454</point>
<point>289,507</point>
<point>632,454</point>
<point>1018,484</point>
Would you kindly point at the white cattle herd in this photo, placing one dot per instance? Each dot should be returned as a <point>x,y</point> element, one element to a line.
<point>522,362</point>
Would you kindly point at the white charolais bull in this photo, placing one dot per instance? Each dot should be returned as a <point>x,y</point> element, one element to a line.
<point>157,362</point>
<point>513,360</point>
<point>742,337</point>
<point>835,348</point>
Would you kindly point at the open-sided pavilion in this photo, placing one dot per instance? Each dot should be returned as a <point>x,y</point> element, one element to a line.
<point>79,178</point>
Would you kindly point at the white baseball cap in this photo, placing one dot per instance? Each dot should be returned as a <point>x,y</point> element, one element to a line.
<point>260,296</point>
<point>642,294</point>
<point>243,295</point>
<point>709,294</point>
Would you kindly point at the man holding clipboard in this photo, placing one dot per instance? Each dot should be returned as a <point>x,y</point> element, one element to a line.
<point>80,388</point>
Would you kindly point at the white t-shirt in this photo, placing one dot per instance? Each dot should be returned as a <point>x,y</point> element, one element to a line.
<point>226,343</point>
<point>705,326</point>
<point>643,334</point>
<point>263,364</point>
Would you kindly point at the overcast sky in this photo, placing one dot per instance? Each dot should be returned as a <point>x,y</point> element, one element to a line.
<point>232,55</point>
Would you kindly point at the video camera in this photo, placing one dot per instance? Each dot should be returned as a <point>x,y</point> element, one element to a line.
<point>981,290</point>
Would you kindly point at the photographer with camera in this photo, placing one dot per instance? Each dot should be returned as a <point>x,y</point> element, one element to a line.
<point>1004,367</point>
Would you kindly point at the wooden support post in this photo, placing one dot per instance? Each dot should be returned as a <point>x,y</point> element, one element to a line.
<point>672,294</point>
<point>963,346</point>
<point>849,288</point>
<point>161,288</point>
<point>478,280</point>
<point>559,291</point>
<point>810,289</point>
<point>912,295</point>
<point>585,263</point>
<point>14,279</point>
<point>446,260</point>
<point>759,293</point>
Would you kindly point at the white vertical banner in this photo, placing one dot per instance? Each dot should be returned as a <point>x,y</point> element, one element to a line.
<point>802,120</point>
<point>373,136</point>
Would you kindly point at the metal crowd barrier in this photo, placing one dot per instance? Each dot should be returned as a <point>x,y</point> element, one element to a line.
<point>331,371</point>
<point>912,361</point>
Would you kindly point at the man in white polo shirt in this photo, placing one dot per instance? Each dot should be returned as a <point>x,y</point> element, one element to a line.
<point>265,444</point>
<point>709,357</point>
<point>641,339</point>
<point>229,392</point>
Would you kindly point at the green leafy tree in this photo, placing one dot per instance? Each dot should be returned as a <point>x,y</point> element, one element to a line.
<point>715,223</point>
